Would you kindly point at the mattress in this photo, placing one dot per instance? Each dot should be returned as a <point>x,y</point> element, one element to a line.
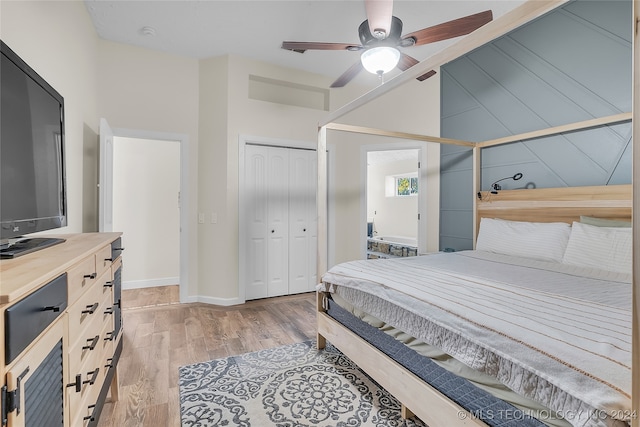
<point>555,334</point>
<point>521,407</point>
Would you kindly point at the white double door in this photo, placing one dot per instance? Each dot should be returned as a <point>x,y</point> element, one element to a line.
<point>281,221</point>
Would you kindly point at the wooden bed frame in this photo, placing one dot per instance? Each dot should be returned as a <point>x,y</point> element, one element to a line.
<point>565,204</point>
<point>541,205</point>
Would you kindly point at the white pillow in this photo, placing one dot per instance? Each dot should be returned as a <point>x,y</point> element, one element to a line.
<point>604,248</point>
<point>538,240</point>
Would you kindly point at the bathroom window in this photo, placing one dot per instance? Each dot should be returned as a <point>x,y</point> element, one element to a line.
<point>406,186</point>
<point>401,185</point>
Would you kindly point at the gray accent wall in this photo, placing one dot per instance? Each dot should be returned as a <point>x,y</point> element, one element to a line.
<point>570,65</point>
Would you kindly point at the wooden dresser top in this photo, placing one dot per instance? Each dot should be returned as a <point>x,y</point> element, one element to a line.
<point>23,275</point>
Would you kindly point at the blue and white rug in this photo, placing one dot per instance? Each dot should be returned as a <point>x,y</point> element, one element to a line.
<point>290,386</point>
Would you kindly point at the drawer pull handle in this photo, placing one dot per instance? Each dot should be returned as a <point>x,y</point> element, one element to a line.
<point>90,417</point>
<point>109,363</point>
<point>93,342</point>
<point>110,336</point>
<point>108,310</point>
<point>77,384</point>
<point>94,377</point>
<point>108,284</point>
<point>54,308</point>
<point>90,309</point>
<point>91,276</point>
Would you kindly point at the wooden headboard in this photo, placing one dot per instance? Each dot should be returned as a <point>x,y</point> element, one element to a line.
<point>556,204</point>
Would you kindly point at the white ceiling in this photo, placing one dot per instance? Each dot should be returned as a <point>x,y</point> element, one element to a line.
<point>390,156</point>
<point>256,28</point>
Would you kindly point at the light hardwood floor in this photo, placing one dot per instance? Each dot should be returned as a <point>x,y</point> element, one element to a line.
<point>160,335</point>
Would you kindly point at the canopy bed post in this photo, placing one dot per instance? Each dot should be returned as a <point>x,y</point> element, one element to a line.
<point>476,190</point>
<point>635,334</point>
<point>322,212</point>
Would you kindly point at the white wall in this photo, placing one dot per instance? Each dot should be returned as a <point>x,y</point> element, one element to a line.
<point>146,174</point>
<point>58,40</point>
<point>392,216</point>
<point>153,91</point>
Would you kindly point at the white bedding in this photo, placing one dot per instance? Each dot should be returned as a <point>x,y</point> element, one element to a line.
<point>558,334</point>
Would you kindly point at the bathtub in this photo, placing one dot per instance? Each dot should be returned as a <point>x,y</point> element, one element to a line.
<point>391,247</point>
<point>398,240</point>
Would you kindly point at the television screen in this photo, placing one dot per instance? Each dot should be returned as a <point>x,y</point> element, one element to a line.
<point>32,178</point>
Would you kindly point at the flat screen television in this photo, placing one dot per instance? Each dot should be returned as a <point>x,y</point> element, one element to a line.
<point>32,165</point>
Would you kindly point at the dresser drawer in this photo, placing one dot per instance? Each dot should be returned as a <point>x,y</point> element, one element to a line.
<point>103,259</point>
<point>81,276</point>
<point>26,319</point>
<point>88,307</point>
<point>88,379</point>
<point>84,390</point>
<point>90,338</point>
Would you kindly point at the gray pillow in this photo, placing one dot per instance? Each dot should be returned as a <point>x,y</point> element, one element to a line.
<point>603,222</point>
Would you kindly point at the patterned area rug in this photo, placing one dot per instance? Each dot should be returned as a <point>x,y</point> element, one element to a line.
<point>294,385</point>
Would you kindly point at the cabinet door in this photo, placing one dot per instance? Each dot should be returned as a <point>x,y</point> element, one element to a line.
<point>36,378</point>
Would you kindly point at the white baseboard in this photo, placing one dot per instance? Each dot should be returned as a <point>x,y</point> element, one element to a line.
<point>139,284</point>
<point>225,302</point>
<point>168,281</point>
<point>216,301</point>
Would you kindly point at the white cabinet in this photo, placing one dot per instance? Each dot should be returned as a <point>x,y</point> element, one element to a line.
<point>279,202</point>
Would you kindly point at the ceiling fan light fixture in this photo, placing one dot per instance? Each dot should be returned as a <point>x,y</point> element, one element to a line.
<point>380,60</point>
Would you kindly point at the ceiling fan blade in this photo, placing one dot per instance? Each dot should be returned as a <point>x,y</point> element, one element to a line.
<point>379,13</point>
<point>450,29</point>
<point>406,62</point>
<point>348,75</point>
<point>426,75</point>
<point>301,47</point>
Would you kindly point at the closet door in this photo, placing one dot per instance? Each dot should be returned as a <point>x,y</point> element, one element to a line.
<point>256,222</point>
<point>267,206</point>
<point>302,221</point>
<point>278,221</point>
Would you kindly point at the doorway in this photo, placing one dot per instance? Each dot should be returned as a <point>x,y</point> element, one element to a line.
<point>146,209</point>
<point>180,200</point>
<point>394,206</point>
<point>392,202</point>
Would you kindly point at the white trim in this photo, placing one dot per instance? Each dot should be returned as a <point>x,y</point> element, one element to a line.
<point>185,213</point>
<point>243,140</point>
<point>139,284</point>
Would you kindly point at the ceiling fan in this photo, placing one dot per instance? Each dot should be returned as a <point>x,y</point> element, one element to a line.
<point>381,36</point>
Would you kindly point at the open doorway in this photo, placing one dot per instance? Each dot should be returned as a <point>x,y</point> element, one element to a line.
<point>393,211</point>
<point>141,168</point>
<point>146,208</point>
